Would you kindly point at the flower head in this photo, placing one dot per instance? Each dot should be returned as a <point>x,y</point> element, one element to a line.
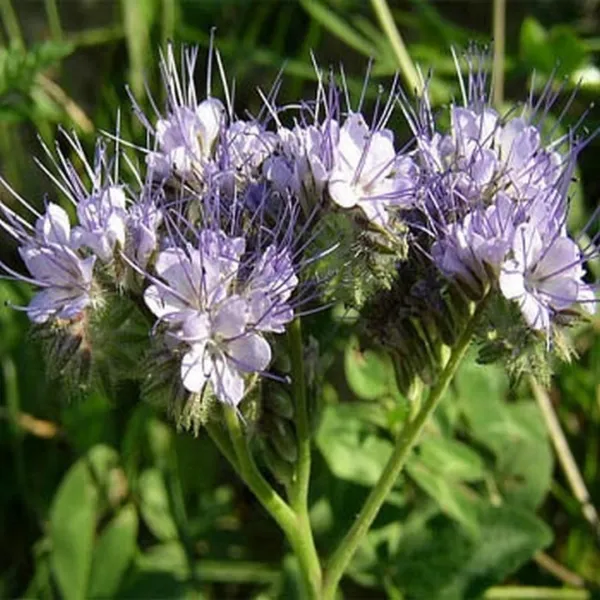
<point>217,313</point>
<point>544,275</point>
<point>63,276</point>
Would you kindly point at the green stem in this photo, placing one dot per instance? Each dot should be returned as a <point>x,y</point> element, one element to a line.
<point>273,503</point>
<point>499,19</point>
<point>535,593</point>
<point>406,440</point>
<point>405,63</point>
<point>299,498</point>
<point>223,443</point>
<point>300,486</point>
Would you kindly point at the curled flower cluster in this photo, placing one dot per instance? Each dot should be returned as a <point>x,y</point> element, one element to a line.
<point>495,200</point>
<point>204,241</point>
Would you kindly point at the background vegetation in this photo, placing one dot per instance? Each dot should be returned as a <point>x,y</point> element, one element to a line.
<point>100,497</point>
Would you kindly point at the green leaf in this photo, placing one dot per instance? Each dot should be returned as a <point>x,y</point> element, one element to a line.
<point>534,48</point>
<point>454,499</point>
<point>113,553</point>
<point>568,50</point>
<point>155,506</point>
<point>369,372</point>
<point>451,458</point>
<point>515,433</point>
<point>353,450</point>
<point>72,527</point>
<point>169,557</point>
<point>441,561</point>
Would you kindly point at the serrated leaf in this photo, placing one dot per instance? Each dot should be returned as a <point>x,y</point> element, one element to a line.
<point>113,553</point>
<point>155,506</point>
<point>72,527</point>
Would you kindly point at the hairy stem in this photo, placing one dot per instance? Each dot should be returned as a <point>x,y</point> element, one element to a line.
<point>281,512</point>
<point>406,440</point>
<point>300,486</point>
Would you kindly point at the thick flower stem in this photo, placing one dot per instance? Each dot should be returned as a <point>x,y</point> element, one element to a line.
<point>407,439</point>
<point>300,487</point>
<point>292,525</point>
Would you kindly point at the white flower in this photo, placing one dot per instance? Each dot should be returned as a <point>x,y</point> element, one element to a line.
<point>102,222</point>
<point>544,276</point>
<point>186,138</point>
<point>65,277</point>
<point>364,171</point>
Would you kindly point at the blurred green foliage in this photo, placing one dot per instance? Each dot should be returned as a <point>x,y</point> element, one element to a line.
<point>101,498</point>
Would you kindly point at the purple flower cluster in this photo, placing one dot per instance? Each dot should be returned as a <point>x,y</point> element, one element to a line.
<point>495,200</point>
<point>214,233</point>
<point>213,248</point>
<point>342,159</point>
<point>61,258</point>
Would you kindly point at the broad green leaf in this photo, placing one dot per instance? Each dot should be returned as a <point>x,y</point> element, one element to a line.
<point>368,372</point>
<point>454,499</point>
<point>113,553</point>
<point>169,557</point>
<point>534,48</point>
<point>155,506</point>
<point>515,433</point>
<point>160,572</point>
<point>441,561</point>
<point>451,458</point>
<point>72,527</point>
<point>352,449</point>
<point>568,50</point>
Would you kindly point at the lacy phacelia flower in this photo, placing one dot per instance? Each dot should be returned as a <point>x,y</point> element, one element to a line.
<point>495,201</point>
<point>305,160</point>
<point>544,276</point>
<point>473,249</point>
<point>186,138</point>
<point>200,296</point>
<point>364,172</point>
<point>102,222</point>
<point>64,276</point>
<point>246,145</point>
<point>143,222</point>
<point>269,288</point>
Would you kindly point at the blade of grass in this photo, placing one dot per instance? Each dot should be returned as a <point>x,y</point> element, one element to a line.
<point>499,20</point>
<point>338,27</point>
<point>11,23</point>
<point>169,21</point>
<point>137,20</point>
<point>54,20</point>
<point>565,456</point>
<point>405,63</point>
